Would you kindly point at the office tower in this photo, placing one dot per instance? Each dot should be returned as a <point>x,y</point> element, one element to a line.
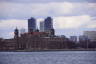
<point>42,26</point>
<point>48,24</point>
<point>31,24</point>
<point>91,35</point>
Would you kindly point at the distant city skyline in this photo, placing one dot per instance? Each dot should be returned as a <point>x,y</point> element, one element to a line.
<point>70,17</point>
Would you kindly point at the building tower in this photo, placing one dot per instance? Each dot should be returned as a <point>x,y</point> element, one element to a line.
<point>16,33</point>
<point>31,24</point>
<point>48,26</point>
<point>42,26</point>
<point>16,37</point>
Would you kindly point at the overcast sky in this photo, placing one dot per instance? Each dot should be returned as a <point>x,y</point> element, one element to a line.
<point>70,17</point>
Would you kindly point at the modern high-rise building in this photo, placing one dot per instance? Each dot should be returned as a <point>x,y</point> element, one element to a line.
<point>91,35</point>
<point>42,26</point>
<point>48,24</point>
<point>31,24</point>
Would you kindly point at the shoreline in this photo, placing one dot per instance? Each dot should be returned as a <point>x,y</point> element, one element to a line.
<point>48,50</point>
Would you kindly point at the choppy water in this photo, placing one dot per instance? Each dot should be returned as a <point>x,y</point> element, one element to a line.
<point>57,57</point>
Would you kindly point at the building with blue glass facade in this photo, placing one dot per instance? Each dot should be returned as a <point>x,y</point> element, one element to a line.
<point>31,24</point>
<point>48,24</point>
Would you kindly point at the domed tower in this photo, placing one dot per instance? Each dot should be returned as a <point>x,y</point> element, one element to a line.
<point>16,33</point>
<point>16,37</point>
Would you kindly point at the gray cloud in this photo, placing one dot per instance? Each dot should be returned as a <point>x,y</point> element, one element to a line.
<point>44,1</point>
<point>24,11</point>
<point>20,11</point>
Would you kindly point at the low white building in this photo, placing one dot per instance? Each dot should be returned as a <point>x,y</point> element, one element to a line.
<point>91,35</point>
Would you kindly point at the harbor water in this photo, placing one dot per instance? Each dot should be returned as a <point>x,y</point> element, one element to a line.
<point>51,57</point>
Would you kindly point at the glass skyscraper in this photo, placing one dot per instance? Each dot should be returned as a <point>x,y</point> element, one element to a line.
<point>48,24</point>
<point>42,26</point>
<point>31,24</point>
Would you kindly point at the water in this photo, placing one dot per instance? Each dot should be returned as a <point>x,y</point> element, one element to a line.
<point>57,57</point>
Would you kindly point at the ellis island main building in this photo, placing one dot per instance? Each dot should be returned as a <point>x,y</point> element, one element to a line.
<point>35,39</point>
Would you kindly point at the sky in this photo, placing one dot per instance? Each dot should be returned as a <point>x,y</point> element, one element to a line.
<point>70,17</point>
